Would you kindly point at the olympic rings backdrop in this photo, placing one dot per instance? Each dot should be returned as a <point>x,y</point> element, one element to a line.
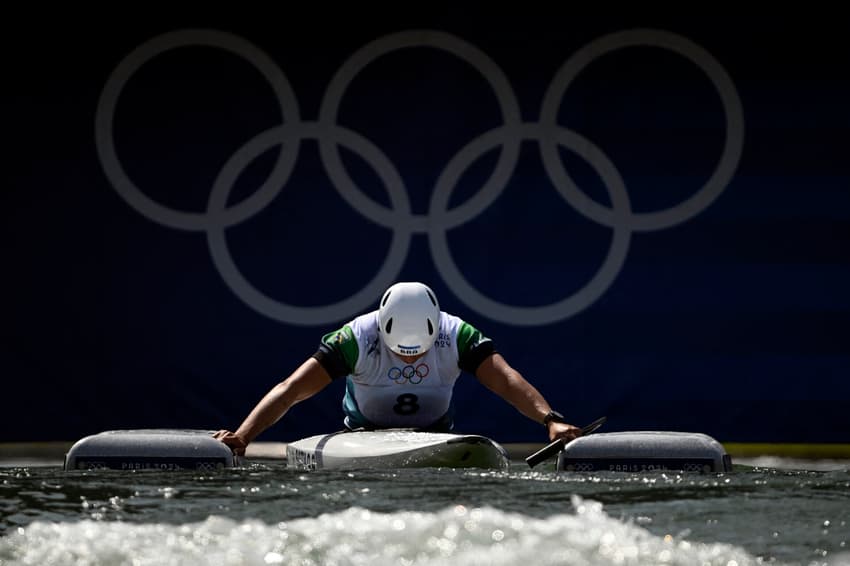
<point>650,218</point>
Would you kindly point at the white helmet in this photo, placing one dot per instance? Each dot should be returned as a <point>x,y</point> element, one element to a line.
<point>409,317</point>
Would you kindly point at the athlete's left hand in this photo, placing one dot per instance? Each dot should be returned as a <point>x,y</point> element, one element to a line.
<point>564,431</point>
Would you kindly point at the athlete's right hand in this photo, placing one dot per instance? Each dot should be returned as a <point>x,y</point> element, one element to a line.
<point>233,440</point>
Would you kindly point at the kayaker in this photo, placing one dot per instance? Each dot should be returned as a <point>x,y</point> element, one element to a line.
<point>400,363</point>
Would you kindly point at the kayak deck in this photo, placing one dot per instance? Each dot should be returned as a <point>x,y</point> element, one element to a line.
<point>395,448</point>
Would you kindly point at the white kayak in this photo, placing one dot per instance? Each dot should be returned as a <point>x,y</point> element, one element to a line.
<point>395,448</point>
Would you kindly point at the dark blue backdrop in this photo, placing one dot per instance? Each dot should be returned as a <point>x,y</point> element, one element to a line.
<point>730,321</point>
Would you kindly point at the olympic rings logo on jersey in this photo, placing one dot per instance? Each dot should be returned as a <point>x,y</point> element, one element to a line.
<point>548,134</point>
<point>409,374</point>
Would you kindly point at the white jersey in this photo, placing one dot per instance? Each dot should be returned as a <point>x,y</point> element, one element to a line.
<point>386,392</point>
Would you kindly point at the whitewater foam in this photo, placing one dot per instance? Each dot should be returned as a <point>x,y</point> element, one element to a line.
<point>360,537</point>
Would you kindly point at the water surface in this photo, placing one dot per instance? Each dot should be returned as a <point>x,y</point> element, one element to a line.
<point>267,514</point>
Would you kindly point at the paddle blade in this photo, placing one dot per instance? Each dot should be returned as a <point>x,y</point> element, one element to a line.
<point>557,445</point>
<point>545,453</point>
<point>587,429</point>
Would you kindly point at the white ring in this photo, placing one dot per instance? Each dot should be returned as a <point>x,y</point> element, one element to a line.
<point>105,141</point>
<point>732,149</point>
<point>250,295</point>
<point>581,299</point>
<point>387,44</point>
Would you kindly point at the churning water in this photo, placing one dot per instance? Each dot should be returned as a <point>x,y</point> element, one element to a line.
<point>267,514</point>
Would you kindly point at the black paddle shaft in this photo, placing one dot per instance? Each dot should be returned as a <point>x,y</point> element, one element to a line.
<point>557,445</point>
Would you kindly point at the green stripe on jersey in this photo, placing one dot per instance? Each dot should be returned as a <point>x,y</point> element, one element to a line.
<point>343,343</point>
<point>468,337</point>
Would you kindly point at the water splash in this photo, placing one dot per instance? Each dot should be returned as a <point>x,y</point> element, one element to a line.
<point>360,537</point>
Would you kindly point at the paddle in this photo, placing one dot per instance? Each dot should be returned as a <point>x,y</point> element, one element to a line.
<point>558,445</point>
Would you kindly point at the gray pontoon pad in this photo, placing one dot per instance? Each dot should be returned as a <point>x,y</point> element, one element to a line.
<point>644,451</point>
